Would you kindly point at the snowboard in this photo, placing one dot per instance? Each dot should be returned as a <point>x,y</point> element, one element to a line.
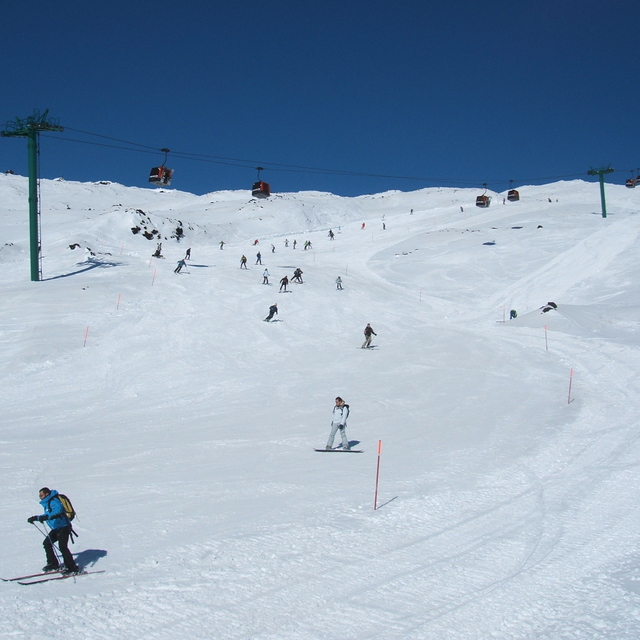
<point>339,450</point>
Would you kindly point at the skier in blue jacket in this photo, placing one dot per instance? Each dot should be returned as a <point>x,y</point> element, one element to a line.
<point>60,530</point>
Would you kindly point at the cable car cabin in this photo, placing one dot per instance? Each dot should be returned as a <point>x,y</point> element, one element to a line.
<point>261,189</point>
<point>631,182</point>
<point>483,201</point>
<point>513,196</point>
<point>161,175</point>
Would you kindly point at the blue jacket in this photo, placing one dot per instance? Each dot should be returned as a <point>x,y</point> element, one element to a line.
<point>54,509</point>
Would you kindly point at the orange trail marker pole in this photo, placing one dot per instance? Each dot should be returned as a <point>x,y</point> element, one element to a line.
<point>118,303</point>
<point>375,498</point>
<point>570,381</point>
<point>154,276</point>
<point>546,341</point>
<point>86,334</point>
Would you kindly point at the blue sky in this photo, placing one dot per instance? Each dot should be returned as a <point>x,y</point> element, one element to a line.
<point>454,94</point>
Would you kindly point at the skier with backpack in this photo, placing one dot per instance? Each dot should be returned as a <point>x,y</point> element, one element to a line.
<point>58,519</point>
<point>339,423</point>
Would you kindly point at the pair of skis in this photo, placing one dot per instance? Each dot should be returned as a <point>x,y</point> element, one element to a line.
<point>47,576</point>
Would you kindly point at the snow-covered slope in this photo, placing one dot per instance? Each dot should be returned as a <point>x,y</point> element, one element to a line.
<point>183,426</point>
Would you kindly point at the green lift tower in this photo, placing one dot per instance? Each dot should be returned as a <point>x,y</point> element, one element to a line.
<point>601,172</point>
<point>29,128</point>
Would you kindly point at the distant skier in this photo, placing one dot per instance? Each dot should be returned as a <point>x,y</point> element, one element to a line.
<point>286,243</point>
<point>363,226</point>
<point>295,242</point>
<point>60,531</point>
<point>513,314</point>
<point>221,245</point>
<point>243,262</point>
<point>339,423</point>
<point>158,252</point>
<point>258,258</point>
<point>331,234</point>
<point>297,276</point>
<point>339,283</point>
<point>273,248</point>
<point>181,263</point>
<point>273,311</point>
<point>283,284</point>
<point>368,332</point>
<point>188,254</point>
<point>265,277</point>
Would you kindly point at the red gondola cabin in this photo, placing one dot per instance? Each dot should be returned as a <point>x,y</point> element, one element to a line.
<point>513,195</point>
<point>261,189</point>
<point>483,201</point>
<point>630,183</point>
<point>161,175</point>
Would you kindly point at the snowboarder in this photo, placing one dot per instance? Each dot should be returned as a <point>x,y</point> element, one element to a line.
<point>181,263</point>
<point>339,423</point>
<point>368,332</point>
<point>60,530</point>
<point>273,311</point>
<point>258,258</point>
<point>283,283</point>
<point>265,277</point>
<point>243,262</point>
<point>339,283</point>
<point>158,252</point>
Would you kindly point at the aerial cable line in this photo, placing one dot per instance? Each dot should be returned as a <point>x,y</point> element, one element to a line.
<point>290,168</point>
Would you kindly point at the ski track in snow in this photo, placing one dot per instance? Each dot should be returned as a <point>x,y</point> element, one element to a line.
<point>183,430</point>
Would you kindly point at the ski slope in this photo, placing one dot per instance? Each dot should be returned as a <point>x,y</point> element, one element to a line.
<point>183,426</point>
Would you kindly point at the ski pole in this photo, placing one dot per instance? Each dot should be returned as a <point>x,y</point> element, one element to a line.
<point>56,551</point>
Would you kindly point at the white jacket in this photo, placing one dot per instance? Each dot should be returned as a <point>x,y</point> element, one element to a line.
<point>340,415</point>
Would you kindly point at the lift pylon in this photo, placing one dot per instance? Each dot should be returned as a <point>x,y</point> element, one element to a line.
<point>29,128</point>
<point>601,172</point>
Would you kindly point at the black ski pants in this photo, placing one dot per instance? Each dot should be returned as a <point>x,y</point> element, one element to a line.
<point>61,536</point>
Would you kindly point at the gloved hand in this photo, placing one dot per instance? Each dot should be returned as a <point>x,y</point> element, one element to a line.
<point>32,519</point>
<point>44,517</point>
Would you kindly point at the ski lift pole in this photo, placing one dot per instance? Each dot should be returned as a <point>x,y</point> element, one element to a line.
<point>30,128</point>
<point>375,497</point>
<point>601,172</point>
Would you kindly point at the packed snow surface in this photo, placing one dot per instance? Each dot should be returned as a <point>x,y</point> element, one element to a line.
<point>182,426</point>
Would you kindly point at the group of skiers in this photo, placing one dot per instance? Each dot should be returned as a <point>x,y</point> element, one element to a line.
<point>55,517</point>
